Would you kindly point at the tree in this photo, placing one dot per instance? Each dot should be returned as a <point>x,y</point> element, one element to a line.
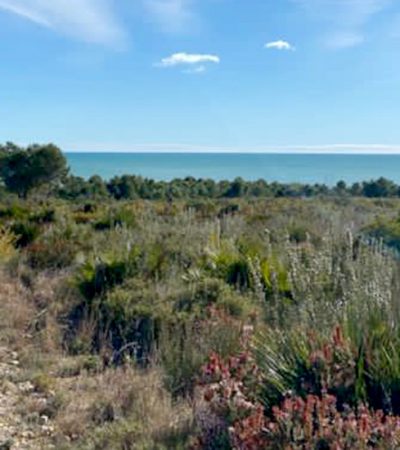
<point>125,187</point>
<point>7,148</point>
<point>25,169</point>
<point>237,188</point>
<point>341,187</point>
<point>96,187</point>
<point>380,188</point>
<point>356,189</point>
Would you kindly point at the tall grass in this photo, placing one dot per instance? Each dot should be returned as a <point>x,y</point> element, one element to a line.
<point>342,324</point>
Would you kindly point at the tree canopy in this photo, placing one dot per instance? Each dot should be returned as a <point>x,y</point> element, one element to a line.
<point>24,169</point>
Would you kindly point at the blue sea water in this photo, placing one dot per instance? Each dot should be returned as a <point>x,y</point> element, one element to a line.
<point>286,168</point>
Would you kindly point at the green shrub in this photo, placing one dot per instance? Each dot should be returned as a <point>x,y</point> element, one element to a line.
<point>44,217</point>
<point>184,347</point>
<point>116,218</point>
<point>96,278</point>
<point>7,243</point>
<point>26,232</point>
<point>14,212</point>
<point>386,230</point>
<point>56,248</point>
<point>313,364</point>
<point>228,264</point>
<point>107,306</point>
<point>208,292</point>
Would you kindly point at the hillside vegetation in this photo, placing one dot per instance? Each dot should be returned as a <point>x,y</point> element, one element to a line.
<point>195,321</point>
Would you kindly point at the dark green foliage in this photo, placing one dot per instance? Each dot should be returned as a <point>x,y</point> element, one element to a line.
<point>14,211</point>
<point>133,187</point>
<point>25,169</point>
<point>96,279</point>
<point>209,293</point>
<point>386,230</point>
<point>45,216</point>
<point>115,218</point>
<point>380,188</point>
<point>26,232</point>
<point>73,188</point>
<point>125,187</point>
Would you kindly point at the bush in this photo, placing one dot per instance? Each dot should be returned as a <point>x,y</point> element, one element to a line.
<point>184,347</point>
<point>229,415</point>
<point>14,212</point>
<point>26,233</point>
<point>116,218</point>
<point>56,248</point>
<point>7,242</point>
<point>386,230</point>
<point>310,364</point>
<point>316,423</point>
<point>96,278</point>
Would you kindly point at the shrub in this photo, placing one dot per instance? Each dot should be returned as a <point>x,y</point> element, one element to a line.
<point>44,217</point>
<point>96,278</point>
<point>386,230</point>
<point>226,393</point>
<point>184,346</point>
<point>316,423</point>
<point>50,255</point>
<point>311,364</point>
<point>211,292</point>
<point>26,232</point>
<point>56,248</point>
<point>14,212</point>
<point>233,267</point>
<point>7,241</point>
<point>116,217</point>
<point>109,319</point>
<point>229,415</point>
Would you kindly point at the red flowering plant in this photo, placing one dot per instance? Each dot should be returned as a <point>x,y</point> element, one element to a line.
<point>313,415</point>
<point>315,423</point>
<point>227,390</point>
<point>333,369</point>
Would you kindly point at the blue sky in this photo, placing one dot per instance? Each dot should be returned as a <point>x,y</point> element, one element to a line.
<point>200,75</point>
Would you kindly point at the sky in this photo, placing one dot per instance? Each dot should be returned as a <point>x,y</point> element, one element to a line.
<point>201,75</point>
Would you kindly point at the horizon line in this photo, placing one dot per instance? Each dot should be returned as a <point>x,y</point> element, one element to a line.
<point>168,148</point>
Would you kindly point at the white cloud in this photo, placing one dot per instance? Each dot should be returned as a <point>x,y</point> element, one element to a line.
<point>279,45</point>
<point>179,147</point>
<point>188,59</point>
<point>88,20</point>
<point>170,15</point>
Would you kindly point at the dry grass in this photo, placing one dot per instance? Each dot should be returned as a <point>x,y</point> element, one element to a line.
<point>16,311</point>
<point>125,404</point>
<point>89,406</point>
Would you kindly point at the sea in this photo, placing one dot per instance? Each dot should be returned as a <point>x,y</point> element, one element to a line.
<point>284,168</point>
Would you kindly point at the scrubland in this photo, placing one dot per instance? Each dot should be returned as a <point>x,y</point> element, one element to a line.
<point>248,323</point>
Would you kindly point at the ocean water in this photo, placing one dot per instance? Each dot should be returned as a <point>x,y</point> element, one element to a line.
<point>286,168</point>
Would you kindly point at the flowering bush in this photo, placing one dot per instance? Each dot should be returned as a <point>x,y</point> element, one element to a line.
<point>226,394</point>
<point>315,423</point>
<point>229,415</point>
